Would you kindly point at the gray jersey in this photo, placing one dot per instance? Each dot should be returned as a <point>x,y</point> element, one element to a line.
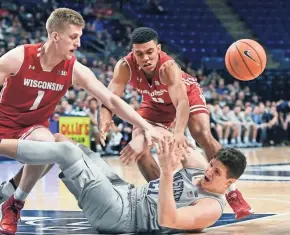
<point>186,193</point>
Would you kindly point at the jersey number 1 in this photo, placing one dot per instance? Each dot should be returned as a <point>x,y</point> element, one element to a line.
<point>37,100</point>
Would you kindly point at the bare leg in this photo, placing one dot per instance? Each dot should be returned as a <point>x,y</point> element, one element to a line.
<point>199,127</point>
<point>219,131</point>
<point>146,164</point>
<point>31,173</point>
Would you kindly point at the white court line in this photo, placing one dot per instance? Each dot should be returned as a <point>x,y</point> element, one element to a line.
<point>266,195</point>
<point>268,199</point>
<point>248,221</point>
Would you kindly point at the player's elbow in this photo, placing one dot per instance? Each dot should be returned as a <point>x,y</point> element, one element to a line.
<point>166,220</point>
<point>112,103</point>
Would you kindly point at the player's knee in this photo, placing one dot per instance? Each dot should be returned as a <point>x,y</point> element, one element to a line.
<point>41,134</point>
<point>219,128</point>
<point>69,150</point>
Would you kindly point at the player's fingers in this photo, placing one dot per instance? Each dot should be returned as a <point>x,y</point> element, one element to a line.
<point>125,149</point>
<point>133,157</point>
<point>183,154</point>
<point>124,158</point>
<point>161,145</point>
<point>189,144</point>
<point>125,152</point>
<point>130,159</point>
<point>139,156</point>
<point>148,138</point>
<point>166,146</point>
<point>110,124</point>
<point>102,140</point>
<point>156,145</point>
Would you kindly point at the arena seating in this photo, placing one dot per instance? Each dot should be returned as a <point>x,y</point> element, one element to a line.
<point>195,33</point>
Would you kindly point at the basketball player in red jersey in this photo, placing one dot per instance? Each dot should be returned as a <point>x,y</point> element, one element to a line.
<point>168,93</point>
<point>35,78</point>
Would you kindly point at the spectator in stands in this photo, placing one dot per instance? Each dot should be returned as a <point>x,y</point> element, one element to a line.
<point>250,134</point>
<point>257,116</point>
<point>235,117</point>
<point>92,112</point>
<point>216,128</point>
<point>115,140</point>
<point>219,116</point>
<point>274,136</point>
<point>221,89</point>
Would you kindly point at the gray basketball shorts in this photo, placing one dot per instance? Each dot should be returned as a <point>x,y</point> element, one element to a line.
<point>109,208</point>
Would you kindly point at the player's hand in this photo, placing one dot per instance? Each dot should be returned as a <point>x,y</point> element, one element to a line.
<point>134,150</point>
<point>170,156</point>
<point>104,128</point>
<point>181,141</point>
<point>105,123</point>
<point>153,137</point>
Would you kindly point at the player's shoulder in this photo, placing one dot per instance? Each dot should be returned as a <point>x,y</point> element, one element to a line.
<point>122,65</point>
<point>16,55</point>
<point>23,50</point>
<point>16,52</point>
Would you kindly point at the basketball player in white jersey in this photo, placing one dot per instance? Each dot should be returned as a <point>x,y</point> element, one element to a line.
<point>194,194</point>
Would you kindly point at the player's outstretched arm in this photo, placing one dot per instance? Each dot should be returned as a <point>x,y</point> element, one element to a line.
<point>193,158</point>
<point>171,74</point>
<point>117,86</point>
<point>11,62</point>
<point>85,78</point>
<point>196,217</point>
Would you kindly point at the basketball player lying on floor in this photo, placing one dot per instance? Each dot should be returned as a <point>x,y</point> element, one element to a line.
<point>194,195</point>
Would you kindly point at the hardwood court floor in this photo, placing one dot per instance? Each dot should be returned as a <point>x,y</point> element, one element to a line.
<point>51,209</point>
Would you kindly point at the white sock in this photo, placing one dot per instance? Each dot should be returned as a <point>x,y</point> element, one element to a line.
<point>20,194</point>
<point>246,139</point>
<point>231,188</point>
<point>239,139</point>
<point>8,189</point>
<point>225,141</point>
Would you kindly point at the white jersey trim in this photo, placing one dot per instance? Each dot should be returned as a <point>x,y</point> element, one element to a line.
<point>129,68</point>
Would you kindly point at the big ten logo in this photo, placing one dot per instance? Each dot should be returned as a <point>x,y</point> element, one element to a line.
<point>74,128</point>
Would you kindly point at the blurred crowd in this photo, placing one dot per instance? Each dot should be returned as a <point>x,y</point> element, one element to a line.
<point>238,116</point>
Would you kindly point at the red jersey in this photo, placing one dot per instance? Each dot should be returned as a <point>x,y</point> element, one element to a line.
<point>30,96</point>
<point>155,95</point>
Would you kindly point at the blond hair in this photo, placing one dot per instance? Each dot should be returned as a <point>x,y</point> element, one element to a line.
<point>60,18</point>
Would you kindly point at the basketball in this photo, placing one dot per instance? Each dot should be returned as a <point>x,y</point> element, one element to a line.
<point>245,59</point>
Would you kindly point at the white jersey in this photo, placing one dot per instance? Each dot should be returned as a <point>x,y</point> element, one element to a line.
<point>186,193</point>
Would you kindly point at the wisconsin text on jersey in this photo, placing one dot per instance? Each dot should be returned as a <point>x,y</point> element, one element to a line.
<point>43,85</point>
<point>153,93</point>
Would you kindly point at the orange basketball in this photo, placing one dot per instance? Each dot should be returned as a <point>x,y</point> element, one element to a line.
<point>245,59</point>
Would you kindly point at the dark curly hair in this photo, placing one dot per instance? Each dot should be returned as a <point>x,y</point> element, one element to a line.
<point>234,160</point>
<point>143,35</point>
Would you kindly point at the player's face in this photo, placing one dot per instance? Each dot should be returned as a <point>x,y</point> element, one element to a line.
<point>215,178</point>
<point>147,55</point>
<point>68,41</point>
